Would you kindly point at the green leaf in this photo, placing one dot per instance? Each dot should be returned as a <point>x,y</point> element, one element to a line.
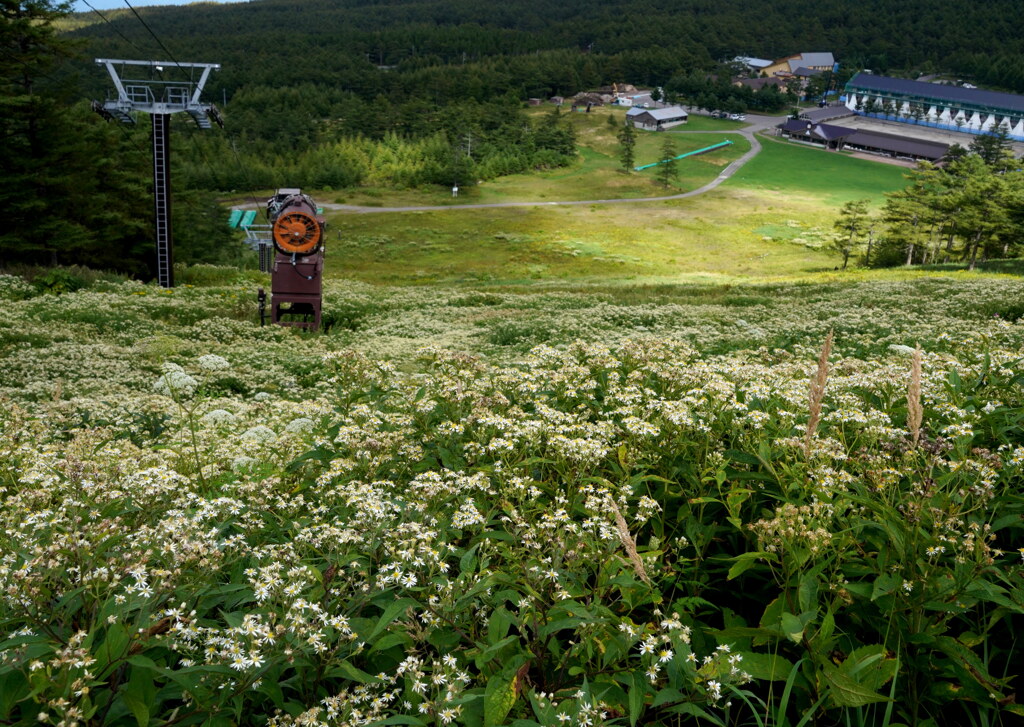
<point>498,624</point>
<point>744,561</point>
<point>13,688</point>
<point>467,563</point>
<point>859,589</point>
<point>869,666</point>
<point>667,696</point>
<point>773,614</point>
<point>972,669</point>
<point>845,691</point>
<point>349,671</point>
<point>792,627</point>
<point>808,591</point>
<point>828,627</point>
<point>388,640</point>
<point>444,639</point>
<point>498,699</point>
<point>694,711</point>
<point>742,457</point>
<point>393,611</point>
<point>885,584</point>
<point>140,693</point>
<point>113,646</point>
<point>771,667</point>
<point>735,499</point>
<point>637,692</point>
<point>492,650</point>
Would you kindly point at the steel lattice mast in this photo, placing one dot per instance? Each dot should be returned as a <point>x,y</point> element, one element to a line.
<point>160,98</point>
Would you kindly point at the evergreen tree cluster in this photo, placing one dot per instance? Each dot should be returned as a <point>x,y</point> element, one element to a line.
<point>69,184</point>
<point>717,93</point>
<point>328,93</point>
<point>969,210</point>
<point>304,71</point>
<point>481,142</point>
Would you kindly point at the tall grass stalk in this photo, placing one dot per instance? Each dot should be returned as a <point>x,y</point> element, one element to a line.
<point>914,411</point>
<point>628,542</point>
<point>817,393</point>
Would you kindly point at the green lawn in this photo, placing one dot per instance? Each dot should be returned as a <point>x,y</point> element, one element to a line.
<point>598,173</point>
<point>791,169</point>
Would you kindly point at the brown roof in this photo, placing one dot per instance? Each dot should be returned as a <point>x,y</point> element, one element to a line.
<point>898,144</point>
<point>758,83</point>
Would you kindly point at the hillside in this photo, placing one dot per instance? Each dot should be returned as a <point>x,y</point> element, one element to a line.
<point>638,41</point>
<point>490,506</point>
<point>585,445</point>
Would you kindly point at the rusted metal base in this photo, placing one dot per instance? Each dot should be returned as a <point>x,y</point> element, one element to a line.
<point>297,290</point>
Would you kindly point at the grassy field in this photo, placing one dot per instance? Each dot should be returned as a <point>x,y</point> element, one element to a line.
<point>597,173</point>
<point>717,236</point>
<point>768,221</point>
<point>825,178</point>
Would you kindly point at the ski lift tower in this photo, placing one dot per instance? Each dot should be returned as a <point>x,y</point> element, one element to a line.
<point>159,98</point>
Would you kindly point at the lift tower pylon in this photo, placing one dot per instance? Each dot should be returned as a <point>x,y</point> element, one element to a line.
<point>160,98</point>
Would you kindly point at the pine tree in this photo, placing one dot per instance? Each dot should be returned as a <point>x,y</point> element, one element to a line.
<point>627,147</point>
<point>70,188</point>
<point>852,223</point>
<point>994,148</point>
<point>668,170</point>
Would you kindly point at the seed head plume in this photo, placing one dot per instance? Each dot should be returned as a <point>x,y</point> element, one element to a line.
<point>817,393</point>
<point>914,411</point>
<point>628,543</point>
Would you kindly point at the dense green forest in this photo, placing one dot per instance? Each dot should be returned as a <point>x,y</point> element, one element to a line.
<point>300,72</point>
<point>401,94</point>
<point>342,44</point>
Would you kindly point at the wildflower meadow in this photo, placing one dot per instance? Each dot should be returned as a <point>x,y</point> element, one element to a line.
<point>789,504</point>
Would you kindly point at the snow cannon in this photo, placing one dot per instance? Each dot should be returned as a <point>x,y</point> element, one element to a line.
<point>297,227</point>
<point>297,230</point>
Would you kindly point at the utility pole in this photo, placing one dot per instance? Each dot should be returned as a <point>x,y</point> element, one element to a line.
<point>160,98</point>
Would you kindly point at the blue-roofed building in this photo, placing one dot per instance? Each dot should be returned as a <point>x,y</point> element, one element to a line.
<point>955,108</point>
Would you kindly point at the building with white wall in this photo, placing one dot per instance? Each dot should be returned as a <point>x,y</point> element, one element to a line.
<point>955,108</point>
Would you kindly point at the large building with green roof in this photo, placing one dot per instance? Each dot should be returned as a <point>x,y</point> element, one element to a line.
<point>955,108</point>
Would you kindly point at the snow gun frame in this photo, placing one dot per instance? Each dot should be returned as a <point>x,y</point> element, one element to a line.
<point>297,231</point>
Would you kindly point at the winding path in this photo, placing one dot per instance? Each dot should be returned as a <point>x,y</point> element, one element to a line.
<point>758,123</point>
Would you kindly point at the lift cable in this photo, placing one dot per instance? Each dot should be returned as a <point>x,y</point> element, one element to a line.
<point>117,30</point>
<point>202,152</point>
<point>155,36</point>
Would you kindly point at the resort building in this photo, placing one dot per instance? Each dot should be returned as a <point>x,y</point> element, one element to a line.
<point>656,119</point>
<point>792,65</point>
<point>837,138</point>
<point>955,108</point>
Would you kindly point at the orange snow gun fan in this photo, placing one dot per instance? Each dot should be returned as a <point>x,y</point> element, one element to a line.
<point>297,228</point>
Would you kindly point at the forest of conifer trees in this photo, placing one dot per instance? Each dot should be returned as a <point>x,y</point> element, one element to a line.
<point>402,94</point>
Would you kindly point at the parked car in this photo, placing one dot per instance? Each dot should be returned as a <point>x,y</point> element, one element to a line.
<point>737,117</point>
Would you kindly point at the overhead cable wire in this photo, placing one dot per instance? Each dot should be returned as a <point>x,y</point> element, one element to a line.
<point>155,36</point>
<point>178,64</point>
<point>117,30</point>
